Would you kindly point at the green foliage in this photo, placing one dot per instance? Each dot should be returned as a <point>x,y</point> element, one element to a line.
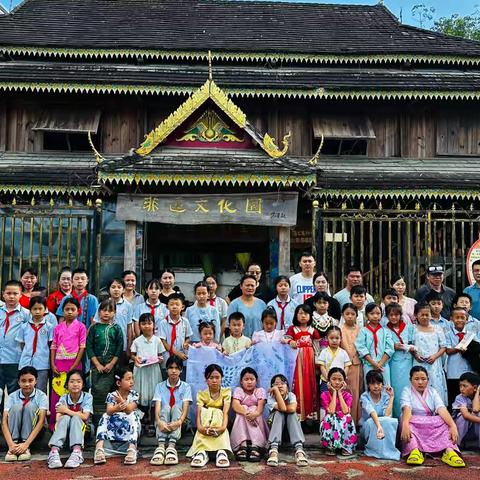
<point>467,26</point>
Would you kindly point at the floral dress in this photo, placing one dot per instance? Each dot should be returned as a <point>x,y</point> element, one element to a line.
<point>337,430</point>
<point>120,427</point>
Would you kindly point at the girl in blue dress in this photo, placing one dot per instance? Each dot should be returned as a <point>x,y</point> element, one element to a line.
<point>430,346</point>
<point>379,429</point>
<point>375,343</point>
<point>202,312</point>
<point>402,359</point>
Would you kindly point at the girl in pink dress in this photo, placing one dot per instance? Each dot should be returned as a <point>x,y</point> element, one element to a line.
<point>301,335</point>
<point>67,349</point>
<point>250,432</point>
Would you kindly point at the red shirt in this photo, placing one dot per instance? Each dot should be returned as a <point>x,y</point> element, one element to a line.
<point>25,301</point>
<point>54,300</point>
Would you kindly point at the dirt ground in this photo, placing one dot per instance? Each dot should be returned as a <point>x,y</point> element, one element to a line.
<point>320,466</point>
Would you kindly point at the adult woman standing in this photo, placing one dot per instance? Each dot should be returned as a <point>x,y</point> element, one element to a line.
<point>28,279</point>
<point>130,294</point>
<point>167,282</point>
<point>426,424</point>
<point>64,287</point>
<point>321,284</point>
<point>249,305</point>
<point>407,303</point>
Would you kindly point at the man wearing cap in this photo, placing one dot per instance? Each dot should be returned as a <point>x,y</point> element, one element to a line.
<point>434,281</point>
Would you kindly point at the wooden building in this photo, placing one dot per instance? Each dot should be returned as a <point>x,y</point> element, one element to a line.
<point>115,116</point>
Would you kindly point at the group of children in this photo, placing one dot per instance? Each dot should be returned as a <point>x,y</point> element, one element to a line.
<point>351,375</point>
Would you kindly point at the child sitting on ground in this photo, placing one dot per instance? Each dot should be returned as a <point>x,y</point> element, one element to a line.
<point>172,400</point>
<point>23,416</point>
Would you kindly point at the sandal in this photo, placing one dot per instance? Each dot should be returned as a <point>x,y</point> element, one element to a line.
<point>272,458</point>
<point>158,456</point>
<point>200,459</point>
<point>416,457</point>
<point>255,455</point>
<point>99,456</point>
<point>453,459</point>
<point>171,456</point>
<point>131,457</point>
<point>241,455</point>
<point>301,458</point>
<point>222,460</point>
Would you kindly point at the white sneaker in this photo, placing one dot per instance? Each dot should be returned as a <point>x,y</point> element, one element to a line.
<point>54,460</point>
<point>74,460</point>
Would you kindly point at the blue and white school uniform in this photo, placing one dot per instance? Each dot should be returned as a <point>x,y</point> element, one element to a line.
<point>442,323</point>
<point>385,448</point>
<point>473,326</point>
<point>401,363</point>
<point>37,356</point>
<point>9,347</point>
<point>457,365</point>
<point>365,345</point>
<point>160,313</point>
<point>182,393</point>
<point>183,331</point>
<point>285,310</point>
<point>196,315</point>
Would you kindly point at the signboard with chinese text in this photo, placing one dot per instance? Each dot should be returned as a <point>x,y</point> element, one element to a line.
<point>267,209</point>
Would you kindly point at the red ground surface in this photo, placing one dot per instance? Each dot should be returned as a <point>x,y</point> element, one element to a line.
<point>321,466</point>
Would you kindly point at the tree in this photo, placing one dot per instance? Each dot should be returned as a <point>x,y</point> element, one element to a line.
<point>467,26</point>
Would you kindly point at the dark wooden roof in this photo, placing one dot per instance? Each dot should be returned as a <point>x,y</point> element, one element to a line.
<point>244,77</point>
<point>206,161</point>
<point>357,172</point>
<point>228,26</point>
<point>63,168</point>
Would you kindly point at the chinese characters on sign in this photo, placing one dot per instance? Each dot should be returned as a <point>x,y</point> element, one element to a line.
<point>254,209</point>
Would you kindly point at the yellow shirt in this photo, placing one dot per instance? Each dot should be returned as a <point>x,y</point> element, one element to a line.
<point>205,400</point>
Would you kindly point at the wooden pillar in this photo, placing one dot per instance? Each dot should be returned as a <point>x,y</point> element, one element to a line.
<point>284,250</point>
<point>129,254</point>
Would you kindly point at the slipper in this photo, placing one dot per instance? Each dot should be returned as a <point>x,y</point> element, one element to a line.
<point>241,455</point>
<point>301,458</point>
<point>171,456</point>
<point>200,459</point>
<point>99,456</point>
<point>272,458</point>
<point>131,457</point>
<point>158,456</point>
<point>416,457</point>
<point>453,459</point>
<point>255,455</point>
<point>222,460</point>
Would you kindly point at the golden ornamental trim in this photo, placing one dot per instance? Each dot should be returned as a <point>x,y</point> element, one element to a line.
<point>208,90</point>
<point>272,149</point>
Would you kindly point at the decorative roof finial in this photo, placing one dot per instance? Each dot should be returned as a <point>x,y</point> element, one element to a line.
<point>210,76</point>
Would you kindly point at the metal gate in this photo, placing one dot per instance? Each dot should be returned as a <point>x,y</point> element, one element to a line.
<point>386,242</point>
<point>49,237</point>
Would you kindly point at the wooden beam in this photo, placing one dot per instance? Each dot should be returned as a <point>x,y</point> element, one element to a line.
<point>284,250</point>
<point>129,258</point>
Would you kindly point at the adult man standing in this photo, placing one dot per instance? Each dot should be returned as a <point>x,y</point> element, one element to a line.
<point>262,291</point>
<point>301,284</point>
<point>474,290</point>
<point>435,275</point>
<point>353,277</point>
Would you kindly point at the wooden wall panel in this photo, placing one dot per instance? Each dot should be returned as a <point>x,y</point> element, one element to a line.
<point>20,137</point>
<point>417,133</point>
<point>458,134</point>
<point>120,130</point>
<point>387,135</point>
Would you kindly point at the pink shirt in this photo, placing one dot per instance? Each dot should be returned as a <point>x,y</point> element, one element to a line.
<point>326,398</point>
<point>69,339</point>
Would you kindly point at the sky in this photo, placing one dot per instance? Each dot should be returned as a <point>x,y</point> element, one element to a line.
<point>401,8</point>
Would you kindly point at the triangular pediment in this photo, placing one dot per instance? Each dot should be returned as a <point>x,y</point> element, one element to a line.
<point>209,124</point>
